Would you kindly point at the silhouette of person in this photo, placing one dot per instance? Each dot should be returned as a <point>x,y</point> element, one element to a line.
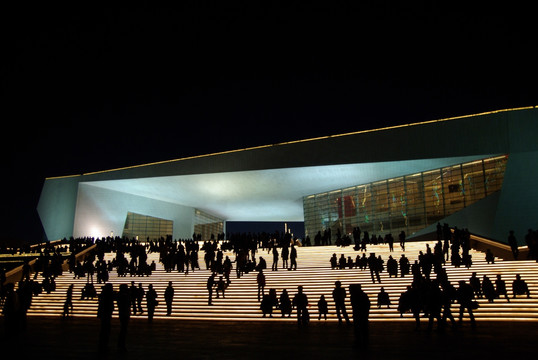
<point>404,302</point>
<point>488,289</point>
<point>169,298</point>
<point>434,303</point>
<point>323,308</point>
<point>334,262</point>
<point>210,284</point>
<point>415,301</point>
<point>404,265</point>
<point>221,287</point>
<point>285,303</point>
<point>300,302</point>
<point>104,313</point>
<point>293,258</point>
<point>260,279</point>
<point>151,301</point>
<point>500,287</point>
<point>269,301</point>
<point>360,304</point>
<point>392,266</point>
<point>124,313</point>
<point>24,293</point>
<point>342,262</point>
<point>448,295</point>
<point>339,297</point>
<point>68,304</point>
<point>11,311</point>
<point>139,297</point>
<point>465,296</point>
<point>520,287</point>
<point>132,295</point>
<point>373,265</point>
<point>383,298</point>
<point>274,267</point>
<point>474,281</point>
<point>285,254</point>
<point>490,258</point>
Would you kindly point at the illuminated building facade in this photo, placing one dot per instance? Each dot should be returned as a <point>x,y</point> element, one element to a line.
<point>478,172</point>
<point>406,203</point>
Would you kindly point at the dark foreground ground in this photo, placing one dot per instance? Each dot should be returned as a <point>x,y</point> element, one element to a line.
<point>77,338</point>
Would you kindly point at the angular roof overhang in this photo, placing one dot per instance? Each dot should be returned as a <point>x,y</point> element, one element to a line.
<point>266,195</point>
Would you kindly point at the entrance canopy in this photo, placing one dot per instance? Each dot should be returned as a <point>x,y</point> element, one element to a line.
<point>266,195</point>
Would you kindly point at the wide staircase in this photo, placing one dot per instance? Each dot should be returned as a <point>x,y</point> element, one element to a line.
<point>313,273</point>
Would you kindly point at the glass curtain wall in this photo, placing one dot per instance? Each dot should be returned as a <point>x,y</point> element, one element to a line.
<point>407,203</point>
<point>207,226</point>
<point>143,227</point>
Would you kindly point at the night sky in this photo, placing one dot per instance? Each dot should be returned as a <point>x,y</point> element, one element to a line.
<point>91,88</point>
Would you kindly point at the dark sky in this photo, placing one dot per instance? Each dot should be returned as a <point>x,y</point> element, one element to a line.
<point>91,88</point>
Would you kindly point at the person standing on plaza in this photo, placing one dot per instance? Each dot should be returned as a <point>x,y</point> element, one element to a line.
<point>104,313</point>
<point>300,302</point>
<point>139,297</point>
<point>373,265</point>
<point>323,308</point>
<point>169,298</point>
<point>285,303</point>
<point>68,304</point>
<point>260,279</point>
<point>124,313</point>
<point>132,295</point>
<point>285,254</point>
<point>221,287</point>
<point>210,284</point>
<point>151,301</point>
<point>293,258</point>
<point>274,267</point>
<point>500,288</point>
<point>360,304</point>
<point>465,296</point>
<point>339,297</point>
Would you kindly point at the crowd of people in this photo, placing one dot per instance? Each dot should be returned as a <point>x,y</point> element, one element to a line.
<point>430,295</point>
<point>427,296</point>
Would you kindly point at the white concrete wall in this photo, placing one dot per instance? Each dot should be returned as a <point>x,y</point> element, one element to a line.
<point>100,212</point>
<point>56,207</point>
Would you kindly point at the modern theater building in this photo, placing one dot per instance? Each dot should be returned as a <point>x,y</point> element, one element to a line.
<point>478,172</point>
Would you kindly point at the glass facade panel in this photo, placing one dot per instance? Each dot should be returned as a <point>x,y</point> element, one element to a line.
<point>364,195</point>
<point>380,207</point>
<point>453,189</point>
<point>311,214</point>
<point>434,204</point>
<point>398,204</point>
<point>322,206</point>
<point>494,173</point>
<point>473,181</point>
<point>335,205</point>
<point>407,203</point>
<point>350,211</point>
<point>415,202</point>
<point>146,227</point>
<point>207,226</point>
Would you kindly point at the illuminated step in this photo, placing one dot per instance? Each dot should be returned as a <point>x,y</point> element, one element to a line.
<point>314,273</point>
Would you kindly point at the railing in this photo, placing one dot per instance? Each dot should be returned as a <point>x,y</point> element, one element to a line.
<point>501,250</point>
<point>14,275</point>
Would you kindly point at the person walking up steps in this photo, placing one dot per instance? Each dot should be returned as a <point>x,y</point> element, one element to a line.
<point>339,297</point>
